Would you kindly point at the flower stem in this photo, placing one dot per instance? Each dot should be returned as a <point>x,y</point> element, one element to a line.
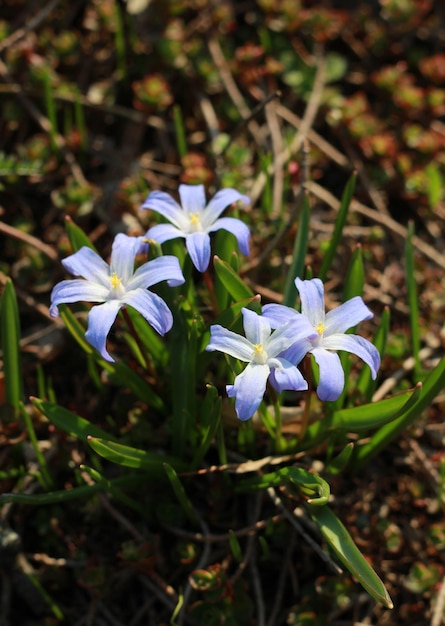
<point>137,339</point>
<point>211,289</point>
<point>307,367</point>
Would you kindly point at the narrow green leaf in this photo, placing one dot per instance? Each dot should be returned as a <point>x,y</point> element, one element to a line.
<point>45,474</point>
<point>181,141</point>
<point>344,547</point>
<point>232,281</point>
<point>10,344</point>
<point>77,238</point>
<point>210,418</point>
<point>133,457</point>
<point>432,386</point>
<point>413,302</point>
<point>50,107</point>
<point>369,416</point>
<point>296,268</point>
<point>69,422</point>
<point>180,493</point>
<point>235,547</point>
<point>340,462</point>
<point>355,277</point>
<point>338,228</point>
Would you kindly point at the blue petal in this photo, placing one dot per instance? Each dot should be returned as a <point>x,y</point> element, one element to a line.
<point>256,327</point>
<point>164,232</point>
<point>150,273</point>
<point>346,316</point>
<point>123,254</point>
<point>297,351</point>
<point>237,228</point>
<point>164,204</point>
<point>279,314</point>
<point>193,198</point>
<point>100,320</point>
<point>312,299</point>
<point>332,376</point>
<point>198,247</point>
<point>152,307</point>
<point>88,264</point>
<point>356,345</point>
<point>227,341</point>
<point>76,290</point>
<point>294,332</point>
<point>287,377</point>
<point>248,389</point>
<point>220,201</point>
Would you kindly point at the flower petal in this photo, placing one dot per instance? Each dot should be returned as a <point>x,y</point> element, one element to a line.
<point>152,307</point>
<point>248,389</point>
<point>287,376</point>
<point>290,333</point>
<point>164,232</point>
<point>220,201</point>
<point>193,198</point>
<point>76,290</point>
<point>312,299</point>
<point>165,205</point>
<point>237,228</point>
<point>332,376</point>
<point>297,351</point>
<point>279,314</point>
<point>356,345</point>
<point>347,315</point>
<point>123,254</point>
<point>231,343</point>
<point>100,320</point>
<point>256,327</point>
<point>88,264</point>
<point>198,247</point>
<point>150,273</point>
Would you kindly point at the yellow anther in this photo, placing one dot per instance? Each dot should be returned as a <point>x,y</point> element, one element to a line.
<point>195,222</point>
<point>259,354</point>
<point>320,328</point>
<point>115,281</point>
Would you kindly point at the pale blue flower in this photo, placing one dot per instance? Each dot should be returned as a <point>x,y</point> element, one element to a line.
<point>260,349</point>
<point>116,285</point>
<point>330,335</point>
<point>194,220</point>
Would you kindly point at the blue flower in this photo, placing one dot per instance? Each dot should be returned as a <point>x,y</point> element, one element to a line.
<point>260,349</point>
<point>194,220</point>
<point>116,285</point>
<point>330,335</point>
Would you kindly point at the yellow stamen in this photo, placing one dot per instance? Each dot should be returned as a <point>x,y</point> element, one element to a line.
<point>320,328</point>
<point>194,219</point>
<point>115,281</point>
<point>259,354</point>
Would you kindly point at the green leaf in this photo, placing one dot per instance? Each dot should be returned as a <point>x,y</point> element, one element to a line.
<point>338,228</point>
<point>77,238</point>
<point>133,457</point>
<point>210,418</point>
<point>309,484</point>
<point>10,344</point>
<point>355,278</point>
<point>369,416</point>
<point>413,302</point>
<point>180,493</point>
<point>344,547</point>
<point>232,281</point>
<point>431,387</point>
<point>69,422</point>
<point>296,268</point>
<point>235,546</point>
<point>339,463</point>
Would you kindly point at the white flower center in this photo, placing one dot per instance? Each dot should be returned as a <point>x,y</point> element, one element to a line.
<point>259,354</point>
<point>117,288</point>
<point>195,223</point>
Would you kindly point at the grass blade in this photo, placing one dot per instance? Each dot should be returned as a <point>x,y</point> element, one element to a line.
<point>413,303</point>
<point>10,344</point>
<point>299,254</point>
